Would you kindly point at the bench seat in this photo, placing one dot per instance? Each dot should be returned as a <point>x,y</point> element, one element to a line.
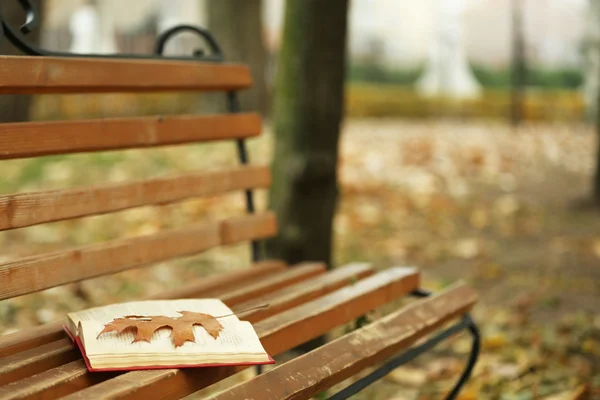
<point>315,372</point>
<point>306,301</point>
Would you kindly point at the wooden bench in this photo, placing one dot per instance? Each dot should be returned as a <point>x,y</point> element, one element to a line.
<point>306,300</point>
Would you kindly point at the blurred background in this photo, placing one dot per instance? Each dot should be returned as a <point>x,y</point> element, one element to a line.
<point>403,56</point>
<point>468,148</point>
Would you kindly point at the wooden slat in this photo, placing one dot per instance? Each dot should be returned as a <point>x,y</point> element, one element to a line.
<point>302,292</point>
<point>25,75</point>
<point>46,271</point>
<point>41,386</point>
<point>268,284</point>
<point>246,228</point>
<point>20,210</point>
<point>73,374</point>
<point>221,282</point>
<point>314,372</point>
<point>43,334</point>
<point>32,139</point>
<point>278,333</point>
<point>28,338</point>
<point>35,360</point>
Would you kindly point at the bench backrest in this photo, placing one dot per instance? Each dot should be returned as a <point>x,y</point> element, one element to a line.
<point>47,75</point>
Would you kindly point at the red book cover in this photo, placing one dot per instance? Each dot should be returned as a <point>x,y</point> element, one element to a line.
<point>77,342</point>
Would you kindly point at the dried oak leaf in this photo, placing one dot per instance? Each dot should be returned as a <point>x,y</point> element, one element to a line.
<point>181,328</point>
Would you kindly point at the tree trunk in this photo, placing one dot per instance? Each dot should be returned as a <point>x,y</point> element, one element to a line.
<point>519,65</point>
<point>14,108</point>
<point>237,26</point>
<point>308,109</point>
<point>592,83</point>
<point>596,182</point>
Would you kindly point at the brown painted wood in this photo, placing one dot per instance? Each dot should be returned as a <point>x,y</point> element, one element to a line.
<point>59,383</point>
<point>245,228</point>
<point>225,281</point>
<point>42,272</point>
<point>314,372</point>
<point>26,209</point>
<point>288,297</point>
<point>28,338</point>
<point>42,358</point>
<point>33,139</point>
<point>278,333</point>
<point>69,375</point>
<point>309,319</point>
<point>273,282</point>
<point>37,359</point>
<point>40,335</point>
<point>26,75</point>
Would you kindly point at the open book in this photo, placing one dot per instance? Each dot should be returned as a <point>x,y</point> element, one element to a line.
<point>236,344</point>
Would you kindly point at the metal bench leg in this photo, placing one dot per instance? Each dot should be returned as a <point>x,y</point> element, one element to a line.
<point>465,323</point>
<point>475,349</point>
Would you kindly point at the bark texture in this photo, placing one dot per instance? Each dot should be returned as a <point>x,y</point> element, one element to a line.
<point>307,114</point>
<point>237,26</point>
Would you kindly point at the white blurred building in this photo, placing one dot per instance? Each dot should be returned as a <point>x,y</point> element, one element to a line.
<point>401,30</point>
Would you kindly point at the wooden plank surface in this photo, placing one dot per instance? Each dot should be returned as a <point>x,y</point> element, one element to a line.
<point>26,75</point>
<point>35,360</point>
<point>224,281</point>
<point>43,334</point>
<point>52,383</point>
<point>278,333</point>
<point>41,358</point>
<point>245,228</point>
<point>314,372</point>
<point>267,284</point>
<point>25,339</point>
<point>33,139</point>
<point>307,290</point>
<point>26,209</point>
<point>46,271</point>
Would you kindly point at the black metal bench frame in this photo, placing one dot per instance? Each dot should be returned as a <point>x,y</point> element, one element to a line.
<point>17,38</point>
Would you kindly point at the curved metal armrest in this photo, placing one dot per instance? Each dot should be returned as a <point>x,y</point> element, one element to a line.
<point>17,38</point>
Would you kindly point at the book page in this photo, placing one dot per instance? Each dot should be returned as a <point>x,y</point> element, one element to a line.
<point>168,308</point>
<point>236,337</point>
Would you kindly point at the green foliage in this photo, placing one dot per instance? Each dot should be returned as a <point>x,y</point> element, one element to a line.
<point>563,78</point>
<point>321,396</point>
<point>488,77</point>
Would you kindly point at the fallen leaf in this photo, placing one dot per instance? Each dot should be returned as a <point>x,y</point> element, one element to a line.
<point>507,205</point>
<point>491,271</point>
<point>469,394</point>
<point>467,248</point>
<point>407,376</point>
<point>590,346</point>
<point>479,218</point>
<point>443,368</point>
<point>182,328</point>
<point>596,247</point>
<point>494,341</point>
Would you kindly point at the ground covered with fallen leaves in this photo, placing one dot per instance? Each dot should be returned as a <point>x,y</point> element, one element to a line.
<point>478,201</point>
